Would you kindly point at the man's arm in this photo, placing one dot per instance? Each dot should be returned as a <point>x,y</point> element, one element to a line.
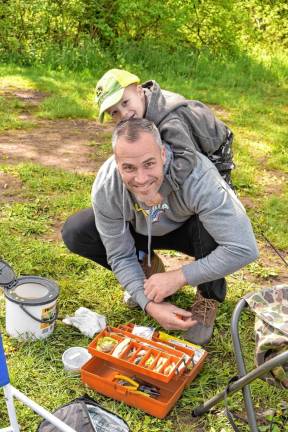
<point>224,217</point>
<point>121,255</point>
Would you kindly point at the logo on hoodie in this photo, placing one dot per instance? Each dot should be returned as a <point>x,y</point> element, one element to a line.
<point>155,211</point>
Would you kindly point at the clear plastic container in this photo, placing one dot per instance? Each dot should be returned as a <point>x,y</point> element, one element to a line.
<point>74,358</point>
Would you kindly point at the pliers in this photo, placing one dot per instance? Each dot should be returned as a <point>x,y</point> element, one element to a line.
<point>139,388</point>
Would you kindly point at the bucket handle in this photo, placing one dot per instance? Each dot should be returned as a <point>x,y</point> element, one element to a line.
<point>43,321</point>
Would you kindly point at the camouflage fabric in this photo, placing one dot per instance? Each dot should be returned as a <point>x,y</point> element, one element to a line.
<point>271,327</point>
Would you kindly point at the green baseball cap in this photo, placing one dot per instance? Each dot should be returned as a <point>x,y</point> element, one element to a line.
<point>110,88</point>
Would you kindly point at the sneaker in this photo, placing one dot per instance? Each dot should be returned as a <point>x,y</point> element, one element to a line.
<point>157,266</point>
<point>204,312</point>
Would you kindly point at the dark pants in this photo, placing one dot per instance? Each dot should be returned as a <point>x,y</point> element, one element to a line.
<point>81,237</point>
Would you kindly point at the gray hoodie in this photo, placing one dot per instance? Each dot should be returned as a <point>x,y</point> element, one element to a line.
<point>203,192</point>
<point>185,125</point>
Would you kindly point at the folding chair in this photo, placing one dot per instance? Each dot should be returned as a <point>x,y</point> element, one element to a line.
<point>10,392</point>
<point>242,381</point>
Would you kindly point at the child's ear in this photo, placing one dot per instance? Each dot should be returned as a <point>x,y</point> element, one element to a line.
<point>140,90</point>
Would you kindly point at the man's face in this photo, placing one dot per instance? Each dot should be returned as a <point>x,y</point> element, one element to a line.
<point>132,104</point>
<point>141,166</point>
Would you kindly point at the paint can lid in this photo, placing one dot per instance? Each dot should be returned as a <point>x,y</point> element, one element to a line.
<point>7,275</point>
<point>32,290</point>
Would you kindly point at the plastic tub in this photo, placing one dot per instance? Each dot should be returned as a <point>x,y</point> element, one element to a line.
<point>74,358</point>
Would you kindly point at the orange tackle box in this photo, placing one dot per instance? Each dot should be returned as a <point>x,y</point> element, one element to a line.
<point>176,369</point>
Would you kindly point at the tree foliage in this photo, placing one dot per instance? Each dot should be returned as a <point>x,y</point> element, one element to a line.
<point>29,27</point>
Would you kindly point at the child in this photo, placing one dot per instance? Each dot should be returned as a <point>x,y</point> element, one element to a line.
<point>185,125</point>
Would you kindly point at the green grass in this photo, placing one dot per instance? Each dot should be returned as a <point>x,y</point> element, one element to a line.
<point>67,94</point>
<point>273,216</point>
<point>250,95</point>
<point>64,107</point>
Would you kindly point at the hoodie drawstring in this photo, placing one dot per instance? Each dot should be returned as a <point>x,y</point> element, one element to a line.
<point>123,208</point>
<point>149,229</point>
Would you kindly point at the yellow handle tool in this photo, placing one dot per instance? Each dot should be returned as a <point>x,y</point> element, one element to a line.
<point>134,384</point>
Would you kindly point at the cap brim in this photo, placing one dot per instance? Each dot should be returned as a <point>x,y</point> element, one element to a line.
<point>109,102</point>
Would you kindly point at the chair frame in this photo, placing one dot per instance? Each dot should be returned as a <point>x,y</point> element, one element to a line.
<point>244,378</point>
<point>11,392</point>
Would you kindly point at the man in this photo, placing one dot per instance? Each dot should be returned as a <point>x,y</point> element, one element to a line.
<point>139,207</point>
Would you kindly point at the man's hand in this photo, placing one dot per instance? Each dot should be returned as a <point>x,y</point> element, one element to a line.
<point>162,285</point>
<point>169,316</point>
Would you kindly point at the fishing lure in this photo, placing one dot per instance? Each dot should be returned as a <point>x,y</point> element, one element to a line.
<point>106,344</point>
<point>121,347</point>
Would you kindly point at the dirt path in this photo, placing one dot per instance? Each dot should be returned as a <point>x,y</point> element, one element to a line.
<point>75,145</point>
<point>68,144</point>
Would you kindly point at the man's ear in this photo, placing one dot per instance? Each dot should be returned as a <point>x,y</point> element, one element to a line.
<point>163,154</point>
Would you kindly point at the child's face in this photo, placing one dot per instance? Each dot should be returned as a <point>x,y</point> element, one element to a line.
<point>131,105</point>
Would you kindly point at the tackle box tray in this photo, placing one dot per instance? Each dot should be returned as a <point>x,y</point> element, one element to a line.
<point>149,352</point>
<point>198,353</point>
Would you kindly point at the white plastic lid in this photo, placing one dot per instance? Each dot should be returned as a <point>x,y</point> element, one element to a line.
<point>74,358</point>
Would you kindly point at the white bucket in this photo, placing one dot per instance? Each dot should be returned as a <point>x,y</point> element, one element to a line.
<point>31,308</point>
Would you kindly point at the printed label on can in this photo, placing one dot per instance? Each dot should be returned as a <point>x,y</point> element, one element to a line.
<point>47,314</point>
